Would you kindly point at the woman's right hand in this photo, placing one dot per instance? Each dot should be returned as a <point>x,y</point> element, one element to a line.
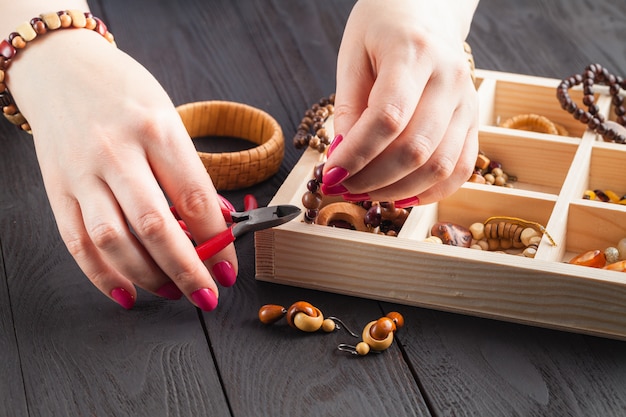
<point>110,143</point>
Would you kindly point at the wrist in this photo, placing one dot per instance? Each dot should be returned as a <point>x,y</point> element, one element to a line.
<point>30,50</point>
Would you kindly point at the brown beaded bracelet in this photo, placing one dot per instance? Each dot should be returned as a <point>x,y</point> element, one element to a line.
<point>29,31</point>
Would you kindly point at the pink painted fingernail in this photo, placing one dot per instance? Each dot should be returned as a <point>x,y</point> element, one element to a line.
<point>338,189</point>
<point>356,197</point>
<point>334,144</point>
<point>335,175</point>
<point>225,203</point>
<point>123,297</point>
<point>224,273</point>
<point>407,202</point>
<point>170,291</point>
<point>205,299</point>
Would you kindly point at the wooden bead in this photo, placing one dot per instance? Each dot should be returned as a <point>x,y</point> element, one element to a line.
<point>78,18</point>
<point>26,31</point>
<point>271,313</point>
<point>374,343</point>
<point>477,179</point>
<point>482,162</point>
<point>477,230</point>
<point>353,214</point>
<point>304,316</point>
<point>51,20</point>
<point>382,328</point>
<point>66,20</point>
<point>527,234</point>
<point>18,42</point>
<point>362,348</point>
<point>308,323</point>
<point>328,325</point>
<point>397,318</point>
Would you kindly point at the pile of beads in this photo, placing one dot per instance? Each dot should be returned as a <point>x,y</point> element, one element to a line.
<point>367,216</point>
<point>612,258</point>
<point>311,131</point>
<point>494,234</point>
<point>606,196</point>
<point>594,120</point>
<point>490,172</point>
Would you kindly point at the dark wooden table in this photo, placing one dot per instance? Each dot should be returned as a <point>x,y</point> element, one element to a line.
<point>69,351</point>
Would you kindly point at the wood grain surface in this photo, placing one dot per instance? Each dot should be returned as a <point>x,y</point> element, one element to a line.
<point>68,350</point>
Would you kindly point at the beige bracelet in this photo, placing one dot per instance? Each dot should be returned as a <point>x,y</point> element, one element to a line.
<point>235,170</point>
<point>29,31</point>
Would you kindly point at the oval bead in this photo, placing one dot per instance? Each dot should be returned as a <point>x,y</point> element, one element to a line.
<point>271,313</point>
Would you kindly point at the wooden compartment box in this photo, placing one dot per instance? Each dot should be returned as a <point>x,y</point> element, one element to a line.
<point>552,172</point>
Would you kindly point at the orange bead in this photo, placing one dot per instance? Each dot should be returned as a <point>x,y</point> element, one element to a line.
<point>617,266</point>
<point>381,329</point>
<point>592,258</point>
<point>397,319</point>
<point>300,307</point>
<point>271,313</point>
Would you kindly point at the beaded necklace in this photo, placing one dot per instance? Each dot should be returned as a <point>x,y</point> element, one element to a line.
<point>595,74</point>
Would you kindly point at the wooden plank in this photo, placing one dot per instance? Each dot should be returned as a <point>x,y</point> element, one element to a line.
<point>12,395</point>
<point>78,350</point>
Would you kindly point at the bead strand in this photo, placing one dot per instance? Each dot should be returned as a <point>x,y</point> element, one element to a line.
<point>592,117</point>
<point>29,31</point>
<point>311,131</point>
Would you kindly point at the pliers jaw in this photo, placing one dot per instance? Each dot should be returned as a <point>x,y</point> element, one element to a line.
<point>262,218</point>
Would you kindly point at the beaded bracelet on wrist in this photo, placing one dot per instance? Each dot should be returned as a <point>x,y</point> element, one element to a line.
<point>29,31</point>
<point>595,74</point>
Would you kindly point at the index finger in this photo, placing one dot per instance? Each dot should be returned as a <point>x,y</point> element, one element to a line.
<point>391,104</point>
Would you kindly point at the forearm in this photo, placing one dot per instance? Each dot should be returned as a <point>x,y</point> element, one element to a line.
<point>14,13</point>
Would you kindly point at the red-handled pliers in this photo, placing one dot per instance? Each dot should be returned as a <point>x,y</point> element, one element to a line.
<point>241,223</point>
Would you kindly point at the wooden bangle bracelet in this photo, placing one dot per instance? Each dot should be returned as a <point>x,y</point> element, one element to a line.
<point>234,170</point>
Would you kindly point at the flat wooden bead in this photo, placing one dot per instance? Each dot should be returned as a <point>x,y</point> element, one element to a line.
<point>51,20</point>
<point>78,18</point>
<point>26,31</point>
<point>1,76</point>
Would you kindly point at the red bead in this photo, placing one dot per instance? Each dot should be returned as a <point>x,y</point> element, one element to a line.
<point>101,28</point>
<point>7,50</point>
